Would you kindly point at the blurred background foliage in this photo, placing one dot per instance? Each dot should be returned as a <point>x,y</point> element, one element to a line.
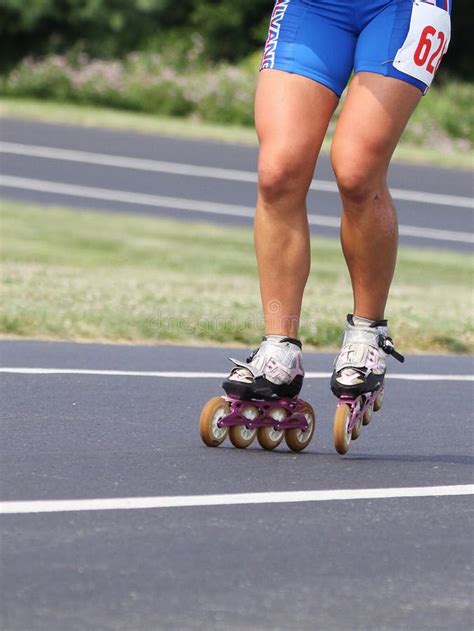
<point>194,58</point>
<point>106,29</point>
<point>112,28</point>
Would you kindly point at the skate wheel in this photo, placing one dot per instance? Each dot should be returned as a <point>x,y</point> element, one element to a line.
<point>269,437</point>
<point>240,435</point>
<point>379,400</point>
<point>357,429</point>
<point>297,439</point>
<point>212,435</point>
<point>341,435</point>
<point>368,415</point>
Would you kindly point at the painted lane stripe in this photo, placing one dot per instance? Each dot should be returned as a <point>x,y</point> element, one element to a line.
<point>181,501</point>
<point>193,205</point>
<point>176,168</point>
<point>169,374</point>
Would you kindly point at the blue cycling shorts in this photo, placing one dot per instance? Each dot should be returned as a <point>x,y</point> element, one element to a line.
<point>326,40</point>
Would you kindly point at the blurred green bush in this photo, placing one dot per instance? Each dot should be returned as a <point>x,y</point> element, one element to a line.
<point>230,29</point>
<point>113,28</point>
<point>143,82</point>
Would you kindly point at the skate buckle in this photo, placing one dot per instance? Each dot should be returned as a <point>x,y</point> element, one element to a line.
<point>387,345</point>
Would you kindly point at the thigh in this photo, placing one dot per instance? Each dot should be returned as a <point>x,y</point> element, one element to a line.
<point>292,114</point>
<point>373,117</point>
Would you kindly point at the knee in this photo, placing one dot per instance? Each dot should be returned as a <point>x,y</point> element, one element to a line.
<point>280,178</point>
<point>357,180</point>
<point>354,182</point>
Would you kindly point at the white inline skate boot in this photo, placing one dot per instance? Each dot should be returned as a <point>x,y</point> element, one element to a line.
<point>274,370</point>
<point>358,376</point>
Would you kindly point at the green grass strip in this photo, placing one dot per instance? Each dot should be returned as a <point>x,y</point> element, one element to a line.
<point>77,275</point>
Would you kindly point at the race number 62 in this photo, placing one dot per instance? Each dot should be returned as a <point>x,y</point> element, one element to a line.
<point>426,42</point>
<point>424,56</point>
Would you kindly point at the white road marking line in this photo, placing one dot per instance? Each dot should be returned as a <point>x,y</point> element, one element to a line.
<point>193,205</point>
<point>180,501</point>
<point>430,377</point>
<point>169,374</point>
<point>175,168</point>
<point>114,373</point>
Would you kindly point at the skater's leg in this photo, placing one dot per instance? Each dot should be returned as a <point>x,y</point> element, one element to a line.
<point>292,114</point>
<point>374,115</point>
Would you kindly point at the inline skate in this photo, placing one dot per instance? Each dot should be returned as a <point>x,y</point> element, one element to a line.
<point>358,377</point>
<point>261,400</point>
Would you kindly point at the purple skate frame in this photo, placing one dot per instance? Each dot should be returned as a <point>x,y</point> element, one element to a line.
<point>294,418</point>
<point>359,405</point>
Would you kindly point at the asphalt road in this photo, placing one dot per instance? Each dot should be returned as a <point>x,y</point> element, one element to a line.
<point>390,563</point>
<point>190,179</point>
